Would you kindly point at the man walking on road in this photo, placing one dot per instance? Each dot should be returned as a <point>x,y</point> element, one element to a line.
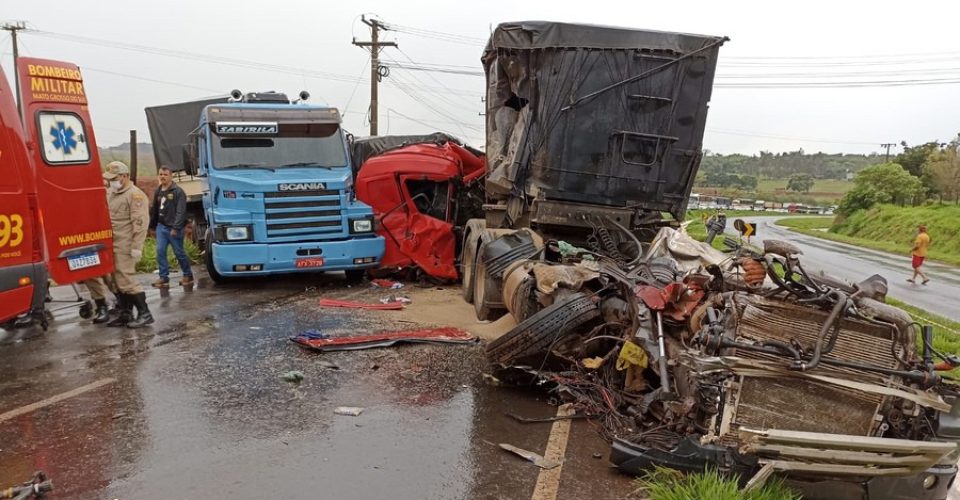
<point>168,216</point>
<point>129,216</point>
<point>919,253</point>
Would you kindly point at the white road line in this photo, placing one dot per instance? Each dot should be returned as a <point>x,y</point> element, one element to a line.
<point>548,482</point>
<point>54,399</point>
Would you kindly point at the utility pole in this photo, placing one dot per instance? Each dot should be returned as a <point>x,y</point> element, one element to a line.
<point>887,145</point>
<point>375,45</point>
<point>13,28</point>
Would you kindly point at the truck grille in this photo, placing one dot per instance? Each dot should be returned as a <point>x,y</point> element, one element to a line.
<point>303,215</point>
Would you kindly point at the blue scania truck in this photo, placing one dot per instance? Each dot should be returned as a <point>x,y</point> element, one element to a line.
<point>269,184</point>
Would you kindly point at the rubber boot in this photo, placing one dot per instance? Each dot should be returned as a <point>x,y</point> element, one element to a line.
<point>144,317</point>
<point>102,315</point>
<point>125,306</point>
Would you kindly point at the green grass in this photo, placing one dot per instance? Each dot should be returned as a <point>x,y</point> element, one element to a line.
<point>946,332</point>
<point>891,229</point>
<point>825,186</point>
<point>148,262</point>
<point>668,484</point>
<point>820,224</point>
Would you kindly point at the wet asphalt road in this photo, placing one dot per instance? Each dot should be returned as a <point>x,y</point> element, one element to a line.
<point>854,264</point>
<point>195,407</point>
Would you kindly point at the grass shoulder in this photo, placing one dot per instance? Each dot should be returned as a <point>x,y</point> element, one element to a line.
<point>891,234</point>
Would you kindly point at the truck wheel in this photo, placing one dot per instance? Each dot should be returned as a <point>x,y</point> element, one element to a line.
<point>534,336</point>
<point>208,261</point>
<point>484,287</point>
<point>467,269</point>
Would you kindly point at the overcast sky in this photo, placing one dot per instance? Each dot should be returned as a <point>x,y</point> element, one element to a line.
<point>308,45</point>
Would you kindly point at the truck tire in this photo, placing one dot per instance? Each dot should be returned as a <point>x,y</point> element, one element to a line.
<point>467,266</point>
<point>208,260</point>
<point>534,336</point>
<point>485,291</point>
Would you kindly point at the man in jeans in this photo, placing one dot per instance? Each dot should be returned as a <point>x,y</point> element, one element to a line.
<point>168,216</point>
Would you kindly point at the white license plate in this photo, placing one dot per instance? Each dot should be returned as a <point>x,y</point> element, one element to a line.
<point>83,261</point>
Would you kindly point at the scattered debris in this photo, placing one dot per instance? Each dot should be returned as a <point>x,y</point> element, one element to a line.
<point>538,460</point>
<point>350,411</point>
<point>385,339</point>
<point>597,455</point>
<point>385,283</point>
<point>693,358</point>
<point>528,420</point>
<point>384,306</point>
<point>313,334</point>
<point>37,487</point>
<point>396,300</point>
<point>295,376</point>
<point>329,365</point>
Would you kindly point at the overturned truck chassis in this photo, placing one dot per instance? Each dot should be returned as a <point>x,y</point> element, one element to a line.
<point>693,358</point>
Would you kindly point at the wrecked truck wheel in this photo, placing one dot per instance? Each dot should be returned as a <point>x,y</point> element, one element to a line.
<point>485,292</point>
<point>467,270</point>
<point>535,336</point>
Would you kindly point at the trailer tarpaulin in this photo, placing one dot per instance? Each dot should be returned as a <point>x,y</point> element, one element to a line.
<point>595,114</point>
<point>170,125</point>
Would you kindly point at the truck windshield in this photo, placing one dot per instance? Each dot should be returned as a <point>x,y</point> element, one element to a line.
<point>295,145</point>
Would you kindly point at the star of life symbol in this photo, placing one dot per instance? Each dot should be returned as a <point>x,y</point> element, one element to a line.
<point>63,137</point>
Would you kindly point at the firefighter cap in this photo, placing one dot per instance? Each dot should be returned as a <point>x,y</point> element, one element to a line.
<point>114,169</point>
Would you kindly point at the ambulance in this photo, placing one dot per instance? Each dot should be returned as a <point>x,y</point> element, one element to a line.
<point>54,221</point>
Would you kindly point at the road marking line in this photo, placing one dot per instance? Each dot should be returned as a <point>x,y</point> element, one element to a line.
<point>548,482</point>
<point>54,399</point>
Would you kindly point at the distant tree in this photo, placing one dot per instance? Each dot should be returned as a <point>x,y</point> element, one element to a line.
<point>913,157</point>
<point>748,183</point>
<point>800,183</point>
<point>884,183</point>
<point>942,171</point>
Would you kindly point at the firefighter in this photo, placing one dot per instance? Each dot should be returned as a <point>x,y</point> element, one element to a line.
<point>130,217</point>
<point>99,287</point>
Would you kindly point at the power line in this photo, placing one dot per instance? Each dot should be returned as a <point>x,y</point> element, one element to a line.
<point>436,35</point>
<point>151,80</point>
<point>299,71</point>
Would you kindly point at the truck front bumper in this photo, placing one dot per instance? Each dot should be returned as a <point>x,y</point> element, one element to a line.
<point>277,258</point>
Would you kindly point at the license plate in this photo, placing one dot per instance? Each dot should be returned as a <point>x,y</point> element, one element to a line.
<point>83,261</point>
<point>312,262</point>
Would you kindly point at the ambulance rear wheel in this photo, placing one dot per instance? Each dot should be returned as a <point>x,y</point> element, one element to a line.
<point>208,260</point>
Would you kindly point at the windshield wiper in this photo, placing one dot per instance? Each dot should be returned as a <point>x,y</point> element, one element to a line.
<point>245,165</point>
<point>304,164</point>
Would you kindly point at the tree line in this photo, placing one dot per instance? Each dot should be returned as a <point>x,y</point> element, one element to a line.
<point>783,165</point>
<point>929,171</point>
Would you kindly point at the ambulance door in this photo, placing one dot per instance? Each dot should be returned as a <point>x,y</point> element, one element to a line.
<point>73,206</point>
<point>22,277</point>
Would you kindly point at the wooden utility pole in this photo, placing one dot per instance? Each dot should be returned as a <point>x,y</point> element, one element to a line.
<point>133,156</point>
<point>887,145</point>
<point>13,28</point>
<point>375,44</point>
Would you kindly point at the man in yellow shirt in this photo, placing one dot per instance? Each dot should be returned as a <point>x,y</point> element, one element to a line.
<point>919,253</point>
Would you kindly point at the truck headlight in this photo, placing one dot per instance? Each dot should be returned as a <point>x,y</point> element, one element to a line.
<point>235,233</point>
<point>362,226</point>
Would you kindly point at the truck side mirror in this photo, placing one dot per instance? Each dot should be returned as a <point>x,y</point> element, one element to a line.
<point>189,157</point>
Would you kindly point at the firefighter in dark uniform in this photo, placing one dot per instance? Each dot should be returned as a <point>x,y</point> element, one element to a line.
<point>130,218</point>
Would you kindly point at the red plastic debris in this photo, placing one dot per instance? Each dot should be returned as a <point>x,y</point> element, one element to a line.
<point>390,306</point>
<point>445,335</point>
